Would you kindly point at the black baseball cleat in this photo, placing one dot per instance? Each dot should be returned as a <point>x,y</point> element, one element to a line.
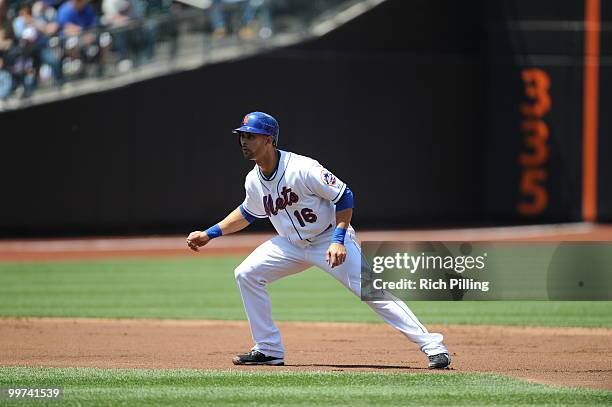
<point>439,361</point>
<point>255,357</point>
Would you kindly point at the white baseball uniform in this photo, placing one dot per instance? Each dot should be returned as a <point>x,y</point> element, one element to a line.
<point>299,198</point>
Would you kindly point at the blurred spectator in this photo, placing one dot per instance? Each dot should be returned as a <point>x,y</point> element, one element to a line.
<point>167,28</point>
<point>6,82</point>
<point>2,12</point>
<point>77,20</point>
<point>248,28</point>
<point>131,33</point>
<point>34,43</point>
<point>8,9</point>
<point>158,7</point>
<point>5,42</point>
<point>6,48</point>
<point>76,16</point>
<point>46,17</point>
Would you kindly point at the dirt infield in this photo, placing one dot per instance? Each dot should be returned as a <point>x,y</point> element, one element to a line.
<point>562,356</point>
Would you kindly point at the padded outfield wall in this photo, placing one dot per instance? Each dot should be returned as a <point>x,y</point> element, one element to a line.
<point>549,81</point>
<point>402,103</point>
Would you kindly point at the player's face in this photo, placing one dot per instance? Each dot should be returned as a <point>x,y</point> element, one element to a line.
<point>253,145</point>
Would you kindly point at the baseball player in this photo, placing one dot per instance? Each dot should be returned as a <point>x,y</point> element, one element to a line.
<point>311,209</point>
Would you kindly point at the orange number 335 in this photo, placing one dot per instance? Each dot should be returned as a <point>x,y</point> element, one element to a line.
<point>534,157</point>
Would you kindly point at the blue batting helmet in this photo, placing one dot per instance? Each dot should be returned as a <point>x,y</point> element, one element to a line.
<point>259,123</point>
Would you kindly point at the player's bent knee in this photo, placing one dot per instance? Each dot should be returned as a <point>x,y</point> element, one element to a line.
<point>239,272</point>
<point>243,273</point>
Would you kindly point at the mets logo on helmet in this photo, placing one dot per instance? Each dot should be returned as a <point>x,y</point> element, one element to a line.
<point>245,121</point>
<point>328,178</point>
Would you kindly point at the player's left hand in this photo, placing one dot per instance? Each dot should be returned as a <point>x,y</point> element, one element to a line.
<point>335,255</point>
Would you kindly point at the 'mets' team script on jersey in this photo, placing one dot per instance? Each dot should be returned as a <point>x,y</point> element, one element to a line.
<point>299,197</point>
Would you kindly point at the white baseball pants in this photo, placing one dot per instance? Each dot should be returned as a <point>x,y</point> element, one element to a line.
<point>278,257</point>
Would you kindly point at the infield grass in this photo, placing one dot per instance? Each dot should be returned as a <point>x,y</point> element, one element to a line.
<point>204,288</point>
<point>196,387</point>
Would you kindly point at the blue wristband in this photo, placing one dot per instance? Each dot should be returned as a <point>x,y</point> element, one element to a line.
<point>338,236</point>
<point>213,231</point>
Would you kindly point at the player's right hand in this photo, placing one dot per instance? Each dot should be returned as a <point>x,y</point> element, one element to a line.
<point>197,239</point>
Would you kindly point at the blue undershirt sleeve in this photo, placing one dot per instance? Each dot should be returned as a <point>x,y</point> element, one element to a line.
<point>345,201</point>
<point>250,218</point>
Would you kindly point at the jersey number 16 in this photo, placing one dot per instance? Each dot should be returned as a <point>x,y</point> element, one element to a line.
<point>305,215</point>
